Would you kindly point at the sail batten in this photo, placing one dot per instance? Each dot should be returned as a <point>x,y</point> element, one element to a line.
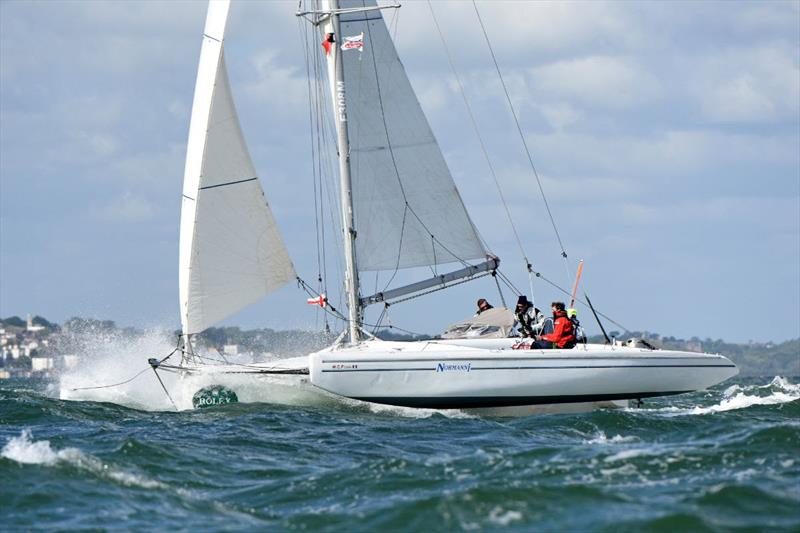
<point>408,212</point>
<point>231,253</point>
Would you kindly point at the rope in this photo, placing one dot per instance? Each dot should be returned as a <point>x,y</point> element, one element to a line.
<point>127,380</point>
<point>522,137</point>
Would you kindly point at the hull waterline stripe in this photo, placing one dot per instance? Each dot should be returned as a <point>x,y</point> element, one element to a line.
<point>472,402</point>
<point>225,184</point>
<point>474,369</point>
<point>534,358</point>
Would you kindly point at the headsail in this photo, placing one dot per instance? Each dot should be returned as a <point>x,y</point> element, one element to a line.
<point>408,211</point>
<point>231,253</point>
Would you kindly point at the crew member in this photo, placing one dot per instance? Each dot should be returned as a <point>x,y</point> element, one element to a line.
<point>483,305</point>
<point>526,315</point>
<point>580,333</point>
<point>563,335</point>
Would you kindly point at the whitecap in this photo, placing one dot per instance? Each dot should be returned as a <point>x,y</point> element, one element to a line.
<point>737,397</point>
<point>503,517</point>
<point>625,455</point>
<point>412,412</point>
<point>23,449</point>
<point>601,438</point>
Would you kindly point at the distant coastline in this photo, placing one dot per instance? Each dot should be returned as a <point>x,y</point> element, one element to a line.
<point>37,347</point>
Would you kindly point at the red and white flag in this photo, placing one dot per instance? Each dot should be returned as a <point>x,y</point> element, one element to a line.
<point>320,301</point>
<point>356,42</point>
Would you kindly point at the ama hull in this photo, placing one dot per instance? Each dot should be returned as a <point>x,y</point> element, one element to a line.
<point>444,376</point>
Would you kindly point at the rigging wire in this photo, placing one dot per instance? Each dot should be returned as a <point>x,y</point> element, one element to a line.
<point>303,29</point>
<point>480,137</point>
<point>565,291</point>
<point>320,126</point>
<point>499,290</point>
<point>524,142</point>
<point>407,206</point>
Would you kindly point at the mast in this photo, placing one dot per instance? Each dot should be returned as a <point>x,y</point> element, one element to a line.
<point>337,83</point>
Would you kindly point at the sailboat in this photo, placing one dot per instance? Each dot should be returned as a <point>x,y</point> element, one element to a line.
<point>400,209</point>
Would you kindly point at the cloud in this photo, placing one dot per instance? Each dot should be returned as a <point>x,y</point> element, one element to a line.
<point>282,88</point>
<point>606,82</point>
<point>748,85</point>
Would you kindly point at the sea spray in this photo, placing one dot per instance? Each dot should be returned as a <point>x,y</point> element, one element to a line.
<point>108,360</point>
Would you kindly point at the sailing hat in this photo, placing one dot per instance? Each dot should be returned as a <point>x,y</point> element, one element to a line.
<point>572,313</point>
<point>523,300</point>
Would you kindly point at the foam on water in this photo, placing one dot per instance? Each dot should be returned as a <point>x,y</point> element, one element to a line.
<point>411,412</point>
<point>778,391</point>
<point>23,449</point>
<point>348,469</point>
<point>601,438</point>
<point>502,517</point>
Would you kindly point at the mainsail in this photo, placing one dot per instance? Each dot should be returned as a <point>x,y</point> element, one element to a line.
<point>407,209</point>
<point>231,253</point>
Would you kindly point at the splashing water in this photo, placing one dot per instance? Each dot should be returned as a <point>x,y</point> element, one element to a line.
<point>778,391</point>
<point>109,359</point>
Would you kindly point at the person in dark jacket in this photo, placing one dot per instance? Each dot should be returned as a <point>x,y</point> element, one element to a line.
<point>526,315</point>
<point>483,305</point>
<point>563,335</point>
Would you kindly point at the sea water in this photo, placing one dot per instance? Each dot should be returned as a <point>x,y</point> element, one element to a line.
<point>717,460</point>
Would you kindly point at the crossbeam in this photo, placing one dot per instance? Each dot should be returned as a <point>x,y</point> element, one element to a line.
<point>318,16</point>
<point>490,264</point>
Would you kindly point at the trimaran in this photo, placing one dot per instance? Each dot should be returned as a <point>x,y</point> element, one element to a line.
<point>400,208</point>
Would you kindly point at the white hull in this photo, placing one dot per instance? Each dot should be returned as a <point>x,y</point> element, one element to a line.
<point>288,382</point>
<point>492,381</point>
<point>443,375</point>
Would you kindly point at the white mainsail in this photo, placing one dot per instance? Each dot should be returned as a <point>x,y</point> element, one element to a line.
<point>407,209</point>
<point>231,253</point>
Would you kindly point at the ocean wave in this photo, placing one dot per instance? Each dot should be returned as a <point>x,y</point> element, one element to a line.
<point>776,392</point>
<point>24,450</point>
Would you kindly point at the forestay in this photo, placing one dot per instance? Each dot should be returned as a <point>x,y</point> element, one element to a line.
<point>407,209</point>
<point>231,253</point>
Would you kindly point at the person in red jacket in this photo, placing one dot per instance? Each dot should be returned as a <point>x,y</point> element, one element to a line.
<point>563,335</point>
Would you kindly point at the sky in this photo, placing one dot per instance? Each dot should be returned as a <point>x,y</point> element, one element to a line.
<point>666,134</point>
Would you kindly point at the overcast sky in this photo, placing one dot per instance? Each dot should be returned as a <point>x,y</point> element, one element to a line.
<point>667,135</point>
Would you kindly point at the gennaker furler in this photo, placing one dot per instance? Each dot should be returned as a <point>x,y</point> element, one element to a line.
<point>400,209</point>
